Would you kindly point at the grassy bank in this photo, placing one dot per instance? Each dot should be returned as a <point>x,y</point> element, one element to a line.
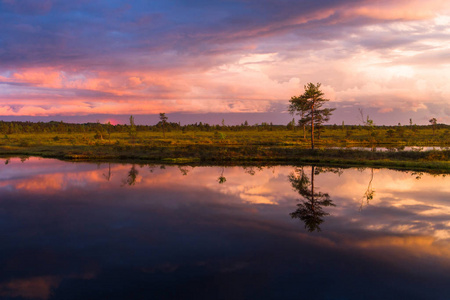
<point>245,147</point>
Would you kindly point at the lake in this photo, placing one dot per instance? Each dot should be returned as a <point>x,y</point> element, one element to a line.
<point>120,231</point>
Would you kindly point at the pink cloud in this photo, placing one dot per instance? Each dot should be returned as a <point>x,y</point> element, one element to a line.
<point>348,46</point>
<point>385,110</point>
<point>45,77</point>
<point>398,10</point>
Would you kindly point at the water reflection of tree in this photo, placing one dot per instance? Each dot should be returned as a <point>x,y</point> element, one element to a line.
<point>108,175</point>
<point>251,170</point>
<point>184,170</point>
<point>222,178</point>
<point>434,173</point>
<point>310,211</point>
<point>369,193</point>
<point>131,177</point>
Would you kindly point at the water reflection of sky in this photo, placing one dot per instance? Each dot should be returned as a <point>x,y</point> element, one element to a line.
<point>72,231</point>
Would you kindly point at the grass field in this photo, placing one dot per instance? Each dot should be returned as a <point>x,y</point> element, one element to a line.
<point>221,145</point>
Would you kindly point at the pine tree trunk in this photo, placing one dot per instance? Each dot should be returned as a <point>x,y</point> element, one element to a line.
<point>312,127</point>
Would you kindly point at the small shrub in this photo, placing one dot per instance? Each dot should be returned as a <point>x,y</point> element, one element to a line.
<point>219,135</point>
<point>390,133</point>
<point>98,136</point>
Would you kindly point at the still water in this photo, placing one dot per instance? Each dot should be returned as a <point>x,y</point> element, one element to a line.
<point>115,231</point>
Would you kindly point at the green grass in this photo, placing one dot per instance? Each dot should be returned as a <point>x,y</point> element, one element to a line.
<point>279,146</point>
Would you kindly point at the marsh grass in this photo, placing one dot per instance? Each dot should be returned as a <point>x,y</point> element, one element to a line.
<point>248,145</point>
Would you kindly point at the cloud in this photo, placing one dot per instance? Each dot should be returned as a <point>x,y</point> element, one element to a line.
<point>385,110</point>
<point>234,56</point>
<point>27,7</point>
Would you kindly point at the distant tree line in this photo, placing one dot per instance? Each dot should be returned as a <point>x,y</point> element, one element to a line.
<point>12,127</point>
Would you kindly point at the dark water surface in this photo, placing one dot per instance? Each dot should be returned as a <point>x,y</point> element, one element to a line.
<point>111,231</point>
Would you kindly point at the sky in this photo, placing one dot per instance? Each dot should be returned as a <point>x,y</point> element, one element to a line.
<point>197,60</point>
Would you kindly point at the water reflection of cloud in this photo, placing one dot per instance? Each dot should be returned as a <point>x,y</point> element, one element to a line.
<point>397,194</point>
<point>416,245</point>
<point>170,223</point>
<point>269,186</point>
<point>34,288</point>
<point>252,189</point>
<point>390,209</point>
<point>38,287</point>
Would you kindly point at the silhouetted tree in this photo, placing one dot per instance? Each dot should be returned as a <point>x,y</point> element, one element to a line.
<point>309,107</point>
<point>163,118</point>
<point>433,123</point>
<point>132,130</point>
<point>109,128</point>
<point>366,121</point>
<point>291,125</point>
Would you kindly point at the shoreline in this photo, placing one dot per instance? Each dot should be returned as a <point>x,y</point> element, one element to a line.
<point>225,155</point>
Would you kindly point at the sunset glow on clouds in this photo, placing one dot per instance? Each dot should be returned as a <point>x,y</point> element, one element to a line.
<point>60,58</point>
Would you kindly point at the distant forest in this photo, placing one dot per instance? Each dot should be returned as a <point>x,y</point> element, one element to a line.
<point>61,127</point>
